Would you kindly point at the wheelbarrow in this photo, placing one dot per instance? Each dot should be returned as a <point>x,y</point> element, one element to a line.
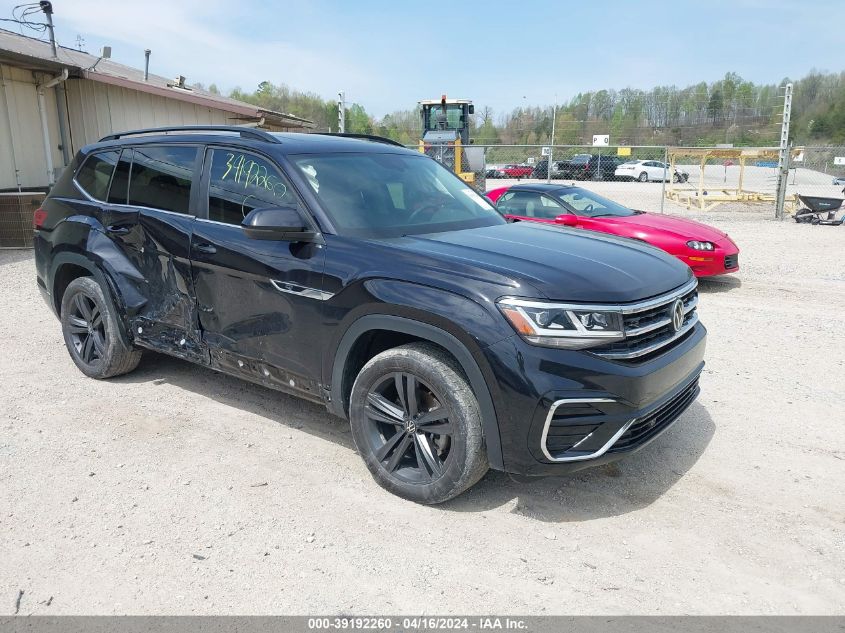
<point>818,210</point>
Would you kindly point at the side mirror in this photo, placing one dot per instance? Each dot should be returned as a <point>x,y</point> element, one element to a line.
<point>471,109</point>
<point>276,223</point>
<point>567,219</point>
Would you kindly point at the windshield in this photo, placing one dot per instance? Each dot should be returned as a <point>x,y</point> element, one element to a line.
<point>591,205</point>
<point>389,195</point>
<point>581,158</point>
<point>449,118</point>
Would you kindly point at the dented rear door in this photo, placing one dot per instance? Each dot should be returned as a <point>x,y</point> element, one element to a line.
<point>161,198</point>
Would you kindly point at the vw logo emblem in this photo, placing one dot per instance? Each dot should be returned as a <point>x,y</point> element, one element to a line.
<point>677,314</point>
<point>410,427</point>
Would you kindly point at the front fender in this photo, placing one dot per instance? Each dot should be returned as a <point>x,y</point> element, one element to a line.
<point>425,331</point>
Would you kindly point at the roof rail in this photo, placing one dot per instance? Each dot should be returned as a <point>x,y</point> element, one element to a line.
<point>245,132</point>
<point>365,137</point>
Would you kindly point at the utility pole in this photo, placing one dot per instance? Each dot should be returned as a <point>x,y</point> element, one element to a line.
<point>47,8</point>
<point>783,158</point>
<point>341,112</point>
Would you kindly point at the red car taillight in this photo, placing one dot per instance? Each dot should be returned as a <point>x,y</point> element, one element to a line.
<point>38,219</point>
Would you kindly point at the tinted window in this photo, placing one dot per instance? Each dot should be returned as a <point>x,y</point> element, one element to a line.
<point>161,177</point>
<point>120,180</point>
<point>529,205</point>
<point>373,194</point>
<point>242,182</point>
<point>95,174</point>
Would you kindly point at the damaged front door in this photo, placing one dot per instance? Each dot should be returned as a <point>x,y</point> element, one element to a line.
<point>160,190</point>
<point>259,300</point>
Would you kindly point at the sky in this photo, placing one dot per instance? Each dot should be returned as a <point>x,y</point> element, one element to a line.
<point>387,55</point>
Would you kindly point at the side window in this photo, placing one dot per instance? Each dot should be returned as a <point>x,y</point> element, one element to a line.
<point>503,203</point>
<point>242,182</point>
<point>523,203</point>
<point>95,174</point>
<point>161,177</point>
<point>548,209</point>
<point>120,181</point>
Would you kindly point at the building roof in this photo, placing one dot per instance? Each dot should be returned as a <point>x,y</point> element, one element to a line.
<point>35,54</point>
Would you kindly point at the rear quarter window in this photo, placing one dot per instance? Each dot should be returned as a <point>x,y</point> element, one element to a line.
<point>95,174</point>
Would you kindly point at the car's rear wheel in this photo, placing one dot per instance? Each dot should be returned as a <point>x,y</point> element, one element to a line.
<point>643,177</point>
<point>417,424</point>
<point>91,332</point>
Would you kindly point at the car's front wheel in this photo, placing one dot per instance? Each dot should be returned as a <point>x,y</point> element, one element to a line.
<point>90,330</point>
<point>417,424</point>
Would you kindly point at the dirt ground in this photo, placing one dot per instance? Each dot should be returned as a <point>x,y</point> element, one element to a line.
<point>179,490</point>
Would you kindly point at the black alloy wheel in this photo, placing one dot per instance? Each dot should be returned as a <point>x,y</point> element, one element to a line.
<point>416,423</point>
<point>91,332</point>
<point>86,328</point>
<point>410,430</point>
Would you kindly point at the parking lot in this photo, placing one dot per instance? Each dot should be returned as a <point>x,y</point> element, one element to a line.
<point>178,490</point>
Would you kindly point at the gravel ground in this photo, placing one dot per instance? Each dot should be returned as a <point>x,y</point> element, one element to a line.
<point>179,490</point>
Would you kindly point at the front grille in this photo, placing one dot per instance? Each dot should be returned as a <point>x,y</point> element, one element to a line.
<point>644,429</point>
<point>649,329</point>
<point>731,261</point>
<point>570,424</point>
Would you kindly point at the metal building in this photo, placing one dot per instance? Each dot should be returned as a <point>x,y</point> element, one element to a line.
<point>50,106</point>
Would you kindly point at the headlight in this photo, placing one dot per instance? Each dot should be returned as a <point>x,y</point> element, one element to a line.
<point>701,246</point>
<point>562,325</point>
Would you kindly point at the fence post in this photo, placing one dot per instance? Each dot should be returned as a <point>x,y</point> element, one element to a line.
<point>783,159</point>
<point>665,175</point>
<point>783,177</point>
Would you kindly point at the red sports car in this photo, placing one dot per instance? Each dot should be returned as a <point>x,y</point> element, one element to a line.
<point>517,171</point>
<point>703,248</point>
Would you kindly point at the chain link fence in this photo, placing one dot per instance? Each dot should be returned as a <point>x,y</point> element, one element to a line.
<point>670,179</point>
<point>16,211</point>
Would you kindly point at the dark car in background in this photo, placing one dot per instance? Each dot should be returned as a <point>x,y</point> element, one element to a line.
<point>367,277</point>
<point>540,168</point>
<point>589,167</point>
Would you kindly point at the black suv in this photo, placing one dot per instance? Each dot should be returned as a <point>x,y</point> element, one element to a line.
<point>367,277</point>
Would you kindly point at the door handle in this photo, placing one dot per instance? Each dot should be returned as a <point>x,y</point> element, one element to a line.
<point>118,229</point>
<point>205,247</point>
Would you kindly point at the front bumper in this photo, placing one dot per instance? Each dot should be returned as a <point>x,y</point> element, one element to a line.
<point>724,260</point>
<point>560,411</point>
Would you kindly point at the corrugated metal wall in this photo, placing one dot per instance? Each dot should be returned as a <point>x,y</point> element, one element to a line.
<point>94,110</point>
<point>97,109</point>
<point>22,160</point>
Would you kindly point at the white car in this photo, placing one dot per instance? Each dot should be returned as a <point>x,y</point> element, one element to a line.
<point>648,170</point>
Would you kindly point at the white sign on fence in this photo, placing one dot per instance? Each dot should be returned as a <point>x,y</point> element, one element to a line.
<point>839,160</point>
<point>546,151</point>
<point>601,139</point>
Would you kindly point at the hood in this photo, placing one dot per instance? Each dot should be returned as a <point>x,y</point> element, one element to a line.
<point>688,229</point>
<point>559,263</point>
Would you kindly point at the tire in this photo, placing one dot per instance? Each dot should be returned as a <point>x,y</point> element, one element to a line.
<point>389,426</point>
<point>676,178</point>
<point>91,332</point>
<point>643,177</point>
